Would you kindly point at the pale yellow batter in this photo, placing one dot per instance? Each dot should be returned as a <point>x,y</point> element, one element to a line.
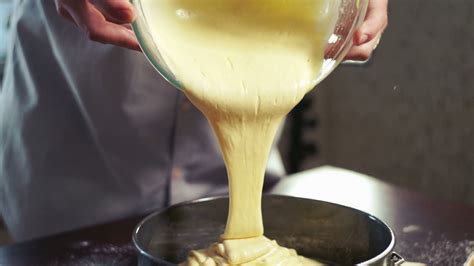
<point>470,260</point>
<point>248,251</point>
<point>245,64</point>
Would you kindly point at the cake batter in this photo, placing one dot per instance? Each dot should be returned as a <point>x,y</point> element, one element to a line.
<point>245,64</point>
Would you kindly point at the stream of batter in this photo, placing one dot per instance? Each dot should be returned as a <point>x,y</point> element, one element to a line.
<point>245,64</point>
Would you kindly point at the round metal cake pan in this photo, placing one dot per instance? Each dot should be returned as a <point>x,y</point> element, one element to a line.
<point>331,233</point>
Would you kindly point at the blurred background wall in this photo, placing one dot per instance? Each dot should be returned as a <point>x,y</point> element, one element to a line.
<point>408,116</point>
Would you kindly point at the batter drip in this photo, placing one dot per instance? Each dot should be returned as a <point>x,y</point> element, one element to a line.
<point>245,64</point>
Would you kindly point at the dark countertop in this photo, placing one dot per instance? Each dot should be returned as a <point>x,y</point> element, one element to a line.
<point>427,230</point>
<point>107,244</point>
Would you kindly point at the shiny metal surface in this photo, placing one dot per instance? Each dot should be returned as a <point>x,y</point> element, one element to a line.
<point>316,229</point>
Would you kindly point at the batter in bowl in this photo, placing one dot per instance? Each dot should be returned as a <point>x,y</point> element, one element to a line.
<point>245,64</point>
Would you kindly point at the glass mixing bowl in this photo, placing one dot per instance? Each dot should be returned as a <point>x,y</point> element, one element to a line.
<point>350,15</point>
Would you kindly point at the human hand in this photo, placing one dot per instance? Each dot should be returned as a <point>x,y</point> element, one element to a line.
<point>105,21</point>
<point>368,35</point>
